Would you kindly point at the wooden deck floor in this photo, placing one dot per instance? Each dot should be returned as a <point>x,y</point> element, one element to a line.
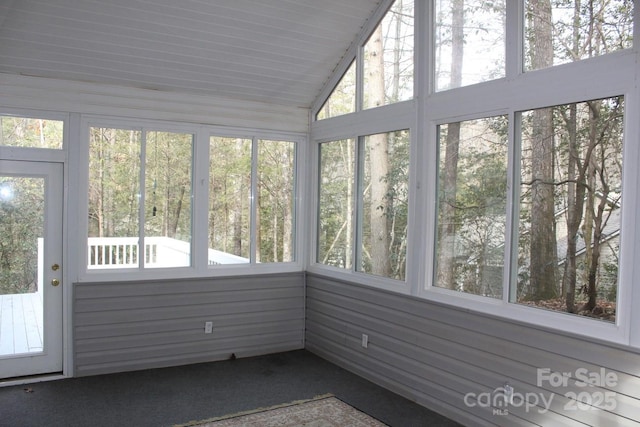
<point>20,324</point>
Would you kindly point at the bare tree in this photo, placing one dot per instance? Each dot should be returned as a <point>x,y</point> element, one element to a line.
<point>379,162</point>
<point>543,252</point>
<point>449,177</point>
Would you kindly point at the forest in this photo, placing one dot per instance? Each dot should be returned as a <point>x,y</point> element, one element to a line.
<point>569,162</point>
<point>123,195</point>
<point>564,244</point>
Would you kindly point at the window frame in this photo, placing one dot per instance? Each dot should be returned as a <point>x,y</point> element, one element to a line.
<point>36,153</point>
<point>616,74</point>
<point>558,85</point>
<point>254,196</point>
<point>144,127</point>
<point>355,56</point>
<point>200,192</point>
<point>354,273</point>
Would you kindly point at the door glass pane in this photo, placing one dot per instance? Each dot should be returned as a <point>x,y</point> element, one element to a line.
<point>33,133</point>
<point>22,204</point>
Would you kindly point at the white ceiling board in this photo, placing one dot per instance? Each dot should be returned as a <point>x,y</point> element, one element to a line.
<point>274,51</point>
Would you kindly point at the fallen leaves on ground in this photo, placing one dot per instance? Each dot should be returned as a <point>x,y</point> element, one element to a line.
<point>604,310</point>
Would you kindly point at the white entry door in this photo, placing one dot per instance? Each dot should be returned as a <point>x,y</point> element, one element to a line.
<point>31,199</point>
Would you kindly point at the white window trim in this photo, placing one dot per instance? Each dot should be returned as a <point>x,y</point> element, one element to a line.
<point>352,274</point>
<point>35,153</point>
<point>354,54</point>
<point>199,267</point>
<point>615,74</point>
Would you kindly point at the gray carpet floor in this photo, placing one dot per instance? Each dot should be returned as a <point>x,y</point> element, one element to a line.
<point>164,397</point>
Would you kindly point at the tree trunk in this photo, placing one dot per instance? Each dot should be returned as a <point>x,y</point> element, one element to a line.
<point>397,53</point>
<point>575,190</point>
<point>447,227</point>
<point>348,248</point>
<point>238,204</point>
<point>543,257</point>
<point>275,227</point>
<point>447,224</point>
<point>173,225</point>
<point>101,184</point>
<point>379,161</point>
<point>598,225</point>
<point>594,222</point>
<point>134,184</point>
<point>575,206</point>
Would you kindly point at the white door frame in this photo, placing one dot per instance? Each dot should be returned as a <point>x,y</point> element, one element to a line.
<point>50,360</point>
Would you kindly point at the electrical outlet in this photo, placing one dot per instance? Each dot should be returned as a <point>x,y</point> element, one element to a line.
<point>208,327</point>
<point>365,340</point>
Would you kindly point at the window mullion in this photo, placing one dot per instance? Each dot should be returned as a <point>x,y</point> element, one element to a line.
<point>142,204</point>
<point>510,279</point>
<point>200,192</point>
<point>514,38</point>
<point>359,78</point>
<point>358,228</point>
<point>253,219</point>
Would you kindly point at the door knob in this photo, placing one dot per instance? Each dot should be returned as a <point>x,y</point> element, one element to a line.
<point>55,282</point>
<point>55,267</point>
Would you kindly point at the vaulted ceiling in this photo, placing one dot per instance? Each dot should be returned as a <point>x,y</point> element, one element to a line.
<point>275,51</point>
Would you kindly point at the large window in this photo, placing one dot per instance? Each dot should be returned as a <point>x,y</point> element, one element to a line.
<point>469,42</point>
<point>472,200</point>
<point>557,32</point>
<point>336,203</point>
<point>251,201</point>
<point>275,181</point>
<point>564,225</point>
<point>140,198</point>
<point>518,164</point>
<point>364,195</point>
<point>229,200</point>
<point>383,73</point>
<point>570,205</point>
<point>388,58</point>
<point>384,203</point>
<point>570,200</point>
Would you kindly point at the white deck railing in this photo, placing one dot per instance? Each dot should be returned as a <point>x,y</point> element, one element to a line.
<point>124,252</point>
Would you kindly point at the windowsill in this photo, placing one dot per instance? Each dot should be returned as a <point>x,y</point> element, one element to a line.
<point>533,316</point>
<point>132,275</point>
<point>379,282</point>
<point>536,318</point>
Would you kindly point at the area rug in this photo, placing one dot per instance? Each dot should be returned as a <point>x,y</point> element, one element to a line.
<point>322,411</point>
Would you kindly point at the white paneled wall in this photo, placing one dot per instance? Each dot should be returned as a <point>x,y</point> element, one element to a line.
<point>445,358</point>
<point>139,325</point>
